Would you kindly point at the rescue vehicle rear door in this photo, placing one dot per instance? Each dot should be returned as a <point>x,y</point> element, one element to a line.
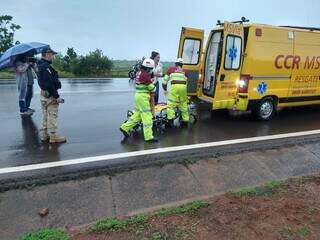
<point>190,49</point>
<point>230,67</point>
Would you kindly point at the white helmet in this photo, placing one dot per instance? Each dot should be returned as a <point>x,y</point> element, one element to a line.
<point>148,63</point>
<point>179,60</point>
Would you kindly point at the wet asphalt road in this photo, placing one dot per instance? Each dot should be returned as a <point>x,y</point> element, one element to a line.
<point>93,111</point>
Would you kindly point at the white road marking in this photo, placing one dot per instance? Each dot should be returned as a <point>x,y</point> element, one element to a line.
<point>152,151</point>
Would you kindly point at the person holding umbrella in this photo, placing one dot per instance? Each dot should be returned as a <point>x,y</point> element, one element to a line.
<point>24,66</point>
<point>20,58</point>
<point>49,83</point>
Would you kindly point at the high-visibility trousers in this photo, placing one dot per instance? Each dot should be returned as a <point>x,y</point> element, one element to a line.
<point>178,99</point>
<point>142,113</point>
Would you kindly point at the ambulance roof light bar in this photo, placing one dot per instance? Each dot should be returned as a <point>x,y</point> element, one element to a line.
<point>243,20</point>
<point>305,28</point>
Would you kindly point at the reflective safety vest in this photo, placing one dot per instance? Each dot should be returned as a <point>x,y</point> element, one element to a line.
<point>175,75</point>
<point>144,83</point>
<point>142,88</point>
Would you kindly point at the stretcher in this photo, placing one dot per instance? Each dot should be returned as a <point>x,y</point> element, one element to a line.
<point>160,120</point>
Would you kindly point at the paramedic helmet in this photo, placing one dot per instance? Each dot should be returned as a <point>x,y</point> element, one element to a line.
<point>148,63</point>
<point>179,62</point>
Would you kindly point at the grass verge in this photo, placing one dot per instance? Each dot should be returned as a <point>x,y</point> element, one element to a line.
<point>140,222</point>
<point>47,234</point>
<point>292,213</point>
<point>267,189</point>
<point>134,223</point>
<point>289,233</point>
<point>187,208</point>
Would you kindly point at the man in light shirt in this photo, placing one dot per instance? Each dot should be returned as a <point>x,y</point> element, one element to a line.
<point>157,73</point>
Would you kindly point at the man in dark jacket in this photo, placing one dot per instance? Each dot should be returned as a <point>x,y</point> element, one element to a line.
<point>49,83</point>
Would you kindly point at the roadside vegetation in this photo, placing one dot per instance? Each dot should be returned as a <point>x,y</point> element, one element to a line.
<point>47,234</point>
<point>283,210</point>
<point>141,222</point>
<point>94,64</point>
<point>268,189</point>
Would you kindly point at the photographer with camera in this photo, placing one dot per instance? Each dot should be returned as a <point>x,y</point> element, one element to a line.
<point>24,68</point>
<point>49,83</point>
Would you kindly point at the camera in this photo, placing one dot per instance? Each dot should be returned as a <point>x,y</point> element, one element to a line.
<point>31,59</point>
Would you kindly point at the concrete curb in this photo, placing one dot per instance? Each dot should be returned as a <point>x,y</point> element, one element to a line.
<point>34,178</point>
<point>145,189</point>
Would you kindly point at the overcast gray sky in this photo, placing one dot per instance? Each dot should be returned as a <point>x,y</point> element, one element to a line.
<point>128,29</point>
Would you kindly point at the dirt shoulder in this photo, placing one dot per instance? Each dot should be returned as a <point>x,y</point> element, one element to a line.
<point>145,190</point>
<point>277,210</point>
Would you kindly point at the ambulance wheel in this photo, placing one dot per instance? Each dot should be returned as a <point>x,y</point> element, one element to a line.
<point>265,109</point>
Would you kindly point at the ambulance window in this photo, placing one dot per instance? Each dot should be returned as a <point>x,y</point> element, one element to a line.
<point>191,50</point>
<point>233,53</point>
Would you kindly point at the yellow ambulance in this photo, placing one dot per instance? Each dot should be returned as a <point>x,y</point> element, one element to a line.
<point>253,66</point>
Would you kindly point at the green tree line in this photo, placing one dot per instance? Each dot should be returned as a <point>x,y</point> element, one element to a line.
<point>7,29</point>
<point>94,64</point>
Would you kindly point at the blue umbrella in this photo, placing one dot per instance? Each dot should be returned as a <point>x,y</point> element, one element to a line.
<point>32,48</point>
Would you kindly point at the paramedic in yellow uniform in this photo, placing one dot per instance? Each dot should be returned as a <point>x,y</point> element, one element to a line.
<point>144,103</point>
<point>177,98</point>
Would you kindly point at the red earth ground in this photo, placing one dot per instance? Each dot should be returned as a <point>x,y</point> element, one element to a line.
<point>291,212</point>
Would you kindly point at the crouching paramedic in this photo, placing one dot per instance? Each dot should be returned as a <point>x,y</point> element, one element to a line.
<point>49,83</point>
<point>178,93</point>
<point>144,103</point>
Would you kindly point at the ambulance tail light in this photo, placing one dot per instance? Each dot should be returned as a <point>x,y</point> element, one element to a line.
<point>243,83</point>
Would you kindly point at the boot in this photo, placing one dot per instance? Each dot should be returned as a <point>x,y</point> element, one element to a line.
<point>26,114</point>
<point>57,139</point>
<point>169,123</point>
<point>125,134</point>
<point>152,140</point>
<point>183,124</point>
<point>30,110</point>
<point>45,137</point>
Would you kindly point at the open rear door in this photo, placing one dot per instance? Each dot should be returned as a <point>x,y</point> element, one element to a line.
<point>230,67</point>
<point>190,49</point>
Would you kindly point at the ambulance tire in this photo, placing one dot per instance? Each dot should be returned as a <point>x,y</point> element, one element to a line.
<point>265,109</point>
